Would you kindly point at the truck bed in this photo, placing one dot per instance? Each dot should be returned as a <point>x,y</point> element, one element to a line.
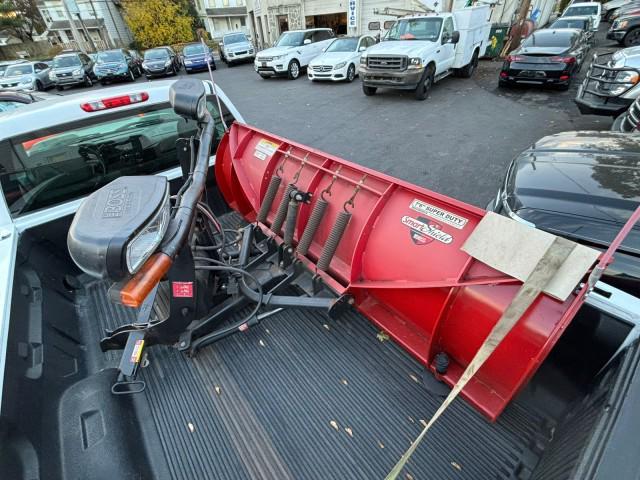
<point>302,396</point>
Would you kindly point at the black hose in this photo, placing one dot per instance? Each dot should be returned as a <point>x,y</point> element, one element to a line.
<point>180,224</point>
<point>333,240</point>
<point>312,226</point>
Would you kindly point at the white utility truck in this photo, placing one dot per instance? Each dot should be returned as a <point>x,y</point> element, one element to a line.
<point>419,50</point>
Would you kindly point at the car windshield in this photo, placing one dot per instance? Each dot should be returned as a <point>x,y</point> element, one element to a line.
<point>549,39</point>
<point>108,57</point>
<point>290,39</point>
<point>66,61</point>
<point>19,70</point>
<point>157,54</point>
<point>193,50</point>
<point>581,11</point>
<point>3,69</point>
<point>237,38</point>
<point>415,29</point>
<point>581,24</point>
<point>343,45</point>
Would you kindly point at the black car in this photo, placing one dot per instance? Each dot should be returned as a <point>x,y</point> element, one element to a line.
<point>137,58</point>
<point>583,186</point>
<point>115,65</point>
<point>546,57</point>
<point>625,31</point>
<point>160,62</point>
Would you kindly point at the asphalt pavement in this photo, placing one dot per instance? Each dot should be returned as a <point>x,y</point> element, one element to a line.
<point>458,142</point>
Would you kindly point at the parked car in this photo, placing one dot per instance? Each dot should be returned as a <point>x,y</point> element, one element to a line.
<point>72,68</point>
<point>340,61</point>
<point>160,62</point>
<point>631,9</point>
<point>27,76</point>
<point>546,57</point>
<point>235,48</point>
<point>196,56</point>
<point>611,84</point>
<point>12,99</point>
<point>613,5</point>
<point>625,30</point>
<point>137,58</point>
<point>583,9</point>
<point>292,52</point>
<point>115,64</point>
<point>629,121</point>
<point>6,64</point>
<point>581,23</point>
<point>583,186</point>
<point>418,51</point>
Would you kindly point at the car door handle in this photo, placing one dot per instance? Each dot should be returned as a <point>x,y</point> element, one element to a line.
<point>437,51</point>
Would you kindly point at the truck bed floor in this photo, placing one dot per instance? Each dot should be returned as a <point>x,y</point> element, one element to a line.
<point>302,396</point>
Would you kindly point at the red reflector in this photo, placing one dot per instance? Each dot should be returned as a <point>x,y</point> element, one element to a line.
<point>564,77</point>
<point>503,75</point>
<point>115,102</point>
<point>564,59</point>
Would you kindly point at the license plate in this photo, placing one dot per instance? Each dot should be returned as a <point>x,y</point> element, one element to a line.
<point>532,74</point>
<point>264,64</point>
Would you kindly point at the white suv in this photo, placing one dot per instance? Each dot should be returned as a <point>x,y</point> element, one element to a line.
<point>292,52</point>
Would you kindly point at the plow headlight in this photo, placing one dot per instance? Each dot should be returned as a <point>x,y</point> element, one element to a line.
<point>118,227</point>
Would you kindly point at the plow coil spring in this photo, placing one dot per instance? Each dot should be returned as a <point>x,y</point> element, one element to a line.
<point>272,189</point>
<point>312,225</point>
<point>329,249</point>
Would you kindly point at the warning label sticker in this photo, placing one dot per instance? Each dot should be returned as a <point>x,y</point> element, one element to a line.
<point>137,351</point>
<point>424,232</point>
<point>264,149</point>
<point>432,211</point>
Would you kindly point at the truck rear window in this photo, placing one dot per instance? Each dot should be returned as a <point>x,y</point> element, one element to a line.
<point>50,167</point>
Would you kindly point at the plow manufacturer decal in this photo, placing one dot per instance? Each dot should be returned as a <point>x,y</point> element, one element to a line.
<point>432,211</point>
<point>423,231</point>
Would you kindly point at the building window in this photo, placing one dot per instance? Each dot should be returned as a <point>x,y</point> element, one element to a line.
<point>243,22</point>
<point>59,13</point>
<point>225,3</point>
<point>45,15</point>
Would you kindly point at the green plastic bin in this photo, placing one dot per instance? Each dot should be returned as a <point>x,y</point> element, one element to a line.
<point>496,39</point>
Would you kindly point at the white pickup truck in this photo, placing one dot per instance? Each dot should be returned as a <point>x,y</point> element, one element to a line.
<point>418,51</point>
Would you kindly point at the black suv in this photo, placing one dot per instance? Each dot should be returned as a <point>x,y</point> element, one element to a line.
<point>626,31</point>
<point>72,68</point>
<point>116,65</point>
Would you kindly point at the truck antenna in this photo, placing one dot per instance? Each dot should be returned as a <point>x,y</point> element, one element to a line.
<point>215,90</point>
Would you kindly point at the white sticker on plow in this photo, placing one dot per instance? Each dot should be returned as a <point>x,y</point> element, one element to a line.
<point>264,149</point>
<point>432,211</point>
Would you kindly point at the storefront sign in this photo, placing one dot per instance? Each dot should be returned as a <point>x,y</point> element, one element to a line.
<point>352,19</point>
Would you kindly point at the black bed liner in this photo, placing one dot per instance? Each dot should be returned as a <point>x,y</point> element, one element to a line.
<point>302,396</point>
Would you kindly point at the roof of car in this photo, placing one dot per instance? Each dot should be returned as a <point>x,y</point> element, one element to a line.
<point>65,109</point>
<point>307,30</point>
<point>584,4</point>
<point>574,17</point>
<point>555,31</point>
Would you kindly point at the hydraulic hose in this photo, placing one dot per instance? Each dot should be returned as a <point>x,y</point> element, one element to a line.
<point>180,224</point>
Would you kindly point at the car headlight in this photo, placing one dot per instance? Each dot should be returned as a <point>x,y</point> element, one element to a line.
<point>278,57</point>
<point>627,76</point>
<point>415,62</point>
<point>622,24</point>
<point>363,60</point>
<point>77,72</point>
<point>339,65</point>
<point>119,226</point>
<point>167,63</point>
<point>52,76</point>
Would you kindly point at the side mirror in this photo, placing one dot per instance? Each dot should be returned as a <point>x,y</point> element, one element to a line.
<point>374,26</point>
<point>455,37</point>
<point>188,99</point>
<point>307,41</point>
<point>362,48</point>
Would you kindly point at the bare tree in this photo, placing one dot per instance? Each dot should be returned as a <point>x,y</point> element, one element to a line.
<point>21,18</point>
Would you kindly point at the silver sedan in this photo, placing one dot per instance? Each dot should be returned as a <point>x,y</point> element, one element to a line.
<point>26,76</point>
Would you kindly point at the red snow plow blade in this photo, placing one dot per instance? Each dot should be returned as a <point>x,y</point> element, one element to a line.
<point>399,257</point>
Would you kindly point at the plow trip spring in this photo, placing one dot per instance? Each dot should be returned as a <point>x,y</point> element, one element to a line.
<point>395,248</point>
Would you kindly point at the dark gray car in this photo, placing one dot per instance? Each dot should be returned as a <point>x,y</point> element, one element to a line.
<point>584,186</point>
<point>72,68</point>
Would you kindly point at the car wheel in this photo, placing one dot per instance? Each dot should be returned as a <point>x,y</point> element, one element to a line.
<point>632,38</point>
<point>293,71</point>
<point>132,77</point>
<point>39,86</point>
<point>59,88</point>
<point>467,70</point>
<point>351,73</point>
<point>369,91</point>
<point>424,85</point>
<point>87,81</point>
<point>503,84</point>
<point>213,67</point>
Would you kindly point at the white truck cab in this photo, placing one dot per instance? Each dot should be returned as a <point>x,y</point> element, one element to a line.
<point>292,52</point>
<point>419,50</point>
